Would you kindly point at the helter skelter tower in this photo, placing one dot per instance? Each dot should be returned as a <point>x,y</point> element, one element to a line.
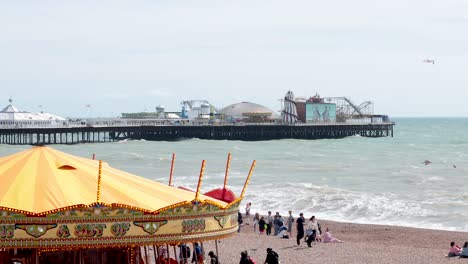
<point>289,113</point>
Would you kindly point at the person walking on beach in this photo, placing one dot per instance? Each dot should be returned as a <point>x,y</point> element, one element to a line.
<point>213,258</point>
<point>197,254</point>
<point>247,212</point>
<point>239,221</point>
<point>255,224</point>
<point>262,225</point>
<point>278,222</point>
<point>312,230</point>
<point>272,257</point>
<point>270,220</point>
<point>300,228</point>
<point>290,223</point>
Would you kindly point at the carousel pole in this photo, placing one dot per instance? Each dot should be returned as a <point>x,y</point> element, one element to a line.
<point>216,245</point>
<point>172,169</point>
<point>248,178</point>
<point>202,249</point>
<point>228,163</point>
<point>175,254</point>
<point>156,253</point>
<point>168,254</point>
<point>146,255</point>
<point>202,170</point>
<point>98,195</point>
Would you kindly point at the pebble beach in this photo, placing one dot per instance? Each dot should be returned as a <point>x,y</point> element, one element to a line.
<point>362,244</point>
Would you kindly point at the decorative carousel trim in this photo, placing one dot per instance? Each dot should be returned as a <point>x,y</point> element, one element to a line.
<point>98,219</point>
<point>150,227</point>
<point>35,230</point>
<point>113,205</point>
<point>107,242</point>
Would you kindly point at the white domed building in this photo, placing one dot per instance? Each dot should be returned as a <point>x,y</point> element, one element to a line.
<point>11,117</point>
<point>248,112</point>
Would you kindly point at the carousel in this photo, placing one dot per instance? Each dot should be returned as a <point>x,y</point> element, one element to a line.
<point>58,208</point>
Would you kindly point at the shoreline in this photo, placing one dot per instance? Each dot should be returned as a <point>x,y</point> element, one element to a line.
<point>363,243</point>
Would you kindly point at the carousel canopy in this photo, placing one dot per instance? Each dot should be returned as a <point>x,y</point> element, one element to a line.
<point>41,180</point>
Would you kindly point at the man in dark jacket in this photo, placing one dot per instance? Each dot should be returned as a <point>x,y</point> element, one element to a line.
<point>272,257</point>
<point>213,258</point>
<point>300,228</point>
<point>239,221</point>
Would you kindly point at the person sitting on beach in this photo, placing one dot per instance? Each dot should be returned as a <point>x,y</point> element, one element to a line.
<point>464,253</point>
<point>245,258</point>
<point>262,225</point>
<point>283,232</point>
<point>328,238</point>
<point>455,250</point>
<point>272,257</point>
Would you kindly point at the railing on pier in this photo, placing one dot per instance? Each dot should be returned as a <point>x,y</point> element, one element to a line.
<point>229,131</point>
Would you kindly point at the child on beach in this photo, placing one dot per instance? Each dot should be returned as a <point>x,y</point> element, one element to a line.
<point>262,225</point>
<point>245,258</point>
<point>455,250</point>
<point>328,238</point>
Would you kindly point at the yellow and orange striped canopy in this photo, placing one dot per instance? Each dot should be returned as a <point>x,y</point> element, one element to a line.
<point>42,179</point>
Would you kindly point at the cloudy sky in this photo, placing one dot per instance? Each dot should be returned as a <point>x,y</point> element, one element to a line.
<point>127,56</point>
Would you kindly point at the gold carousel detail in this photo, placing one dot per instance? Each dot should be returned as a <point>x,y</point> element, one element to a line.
<point>59,208</point>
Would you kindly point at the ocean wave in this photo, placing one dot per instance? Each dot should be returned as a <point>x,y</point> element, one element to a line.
<point>349,206</point>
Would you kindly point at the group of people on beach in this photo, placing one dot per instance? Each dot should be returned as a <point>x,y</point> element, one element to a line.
<point>282,228</point>
<point>457,251</point>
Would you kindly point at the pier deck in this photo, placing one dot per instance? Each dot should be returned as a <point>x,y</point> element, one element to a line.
<point>248,132</point>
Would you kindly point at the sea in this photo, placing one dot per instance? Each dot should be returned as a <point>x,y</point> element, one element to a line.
<point>354,179</point>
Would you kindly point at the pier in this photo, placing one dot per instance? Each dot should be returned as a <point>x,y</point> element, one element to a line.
<point>247,132</point>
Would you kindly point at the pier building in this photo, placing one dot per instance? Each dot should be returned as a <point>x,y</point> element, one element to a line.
<point>313,118</point>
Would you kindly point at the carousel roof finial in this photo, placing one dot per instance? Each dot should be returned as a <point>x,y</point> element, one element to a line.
<point>10,100</point>
<point>98,196</point>
<point>248,179</point>
<point>202,170</point>
<point>172,169</point>
<point>228,163</point>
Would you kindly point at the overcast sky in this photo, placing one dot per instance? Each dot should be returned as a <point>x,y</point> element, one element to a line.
<point>128,56</point>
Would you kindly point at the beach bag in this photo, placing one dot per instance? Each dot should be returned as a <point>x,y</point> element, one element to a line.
<point>252,261</point>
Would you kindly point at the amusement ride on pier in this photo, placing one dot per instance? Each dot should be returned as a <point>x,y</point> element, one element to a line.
<point>302,118</point>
